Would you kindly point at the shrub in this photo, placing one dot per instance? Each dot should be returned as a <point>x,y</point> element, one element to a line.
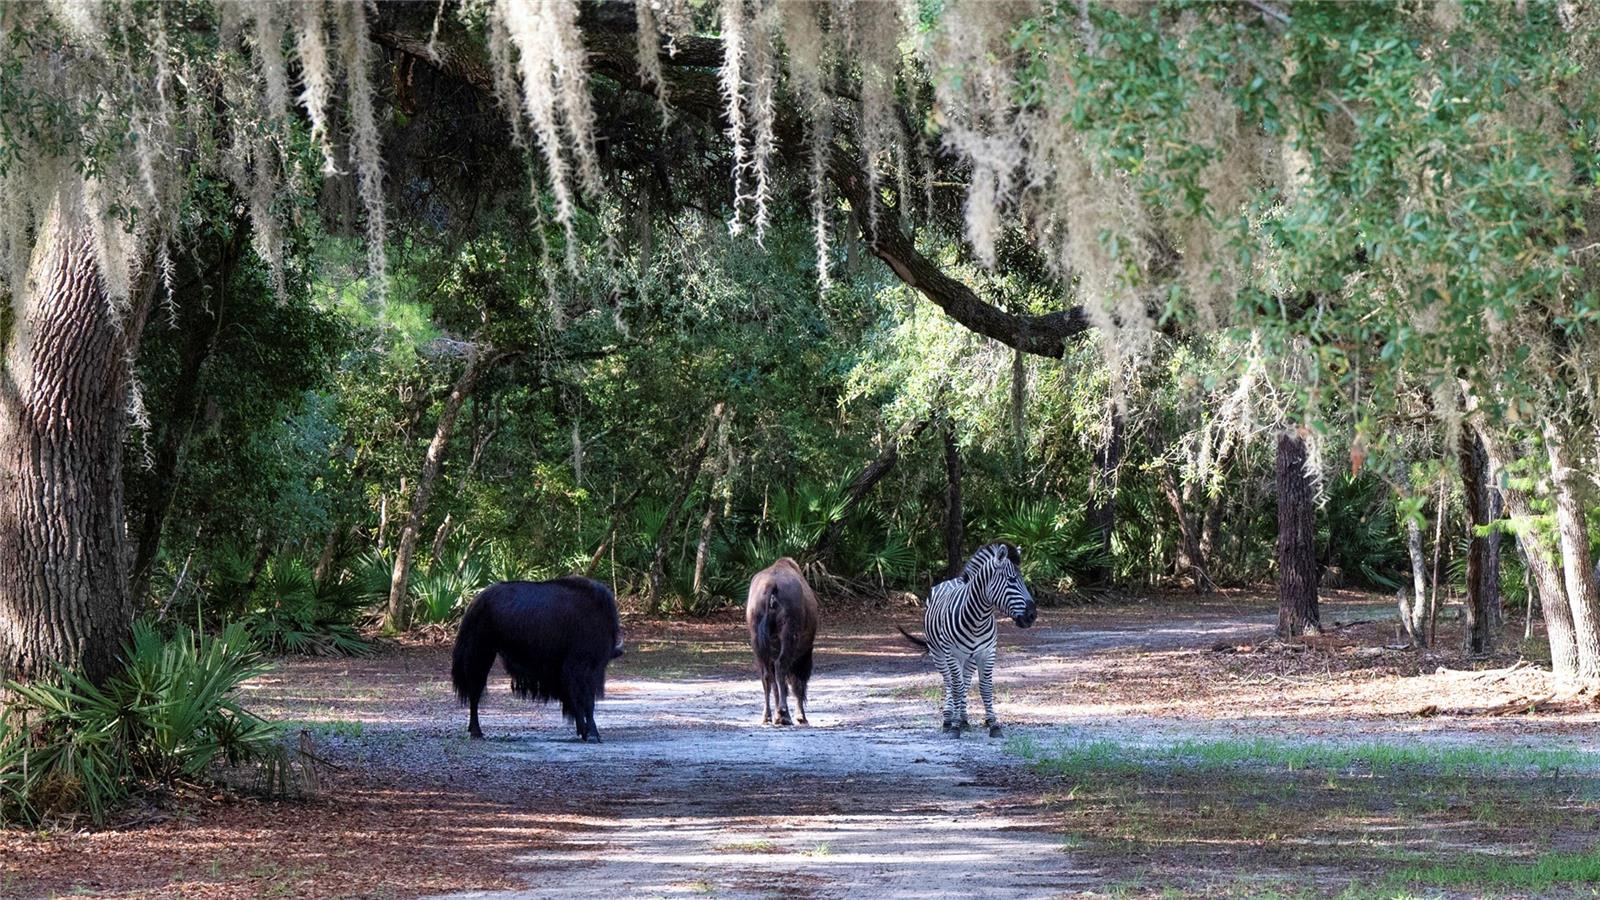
<point>70,747</point>
<point>288,614</point>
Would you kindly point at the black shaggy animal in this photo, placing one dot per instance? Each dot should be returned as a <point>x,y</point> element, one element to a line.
<point>782,614</point>
<point>555,638</point>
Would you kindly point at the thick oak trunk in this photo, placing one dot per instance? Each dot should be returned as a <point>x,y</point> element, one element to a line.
<point>63,399</point>
<point>1297,554</point>
<point>955,532</point>
<point>399,611</point>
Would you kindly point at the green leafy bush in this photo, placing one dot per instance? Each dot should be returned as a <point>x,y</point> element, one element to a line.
<point>1058,547</point>
<point>288,614</point>
<point>69,747</point>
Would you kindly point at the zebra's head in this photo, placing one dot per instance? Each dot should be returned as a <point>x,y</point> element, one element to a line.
<point>995,571</point>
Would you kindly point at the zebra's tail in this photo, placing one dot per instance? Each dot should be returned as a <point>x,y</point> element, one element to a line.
<point>914,639</point>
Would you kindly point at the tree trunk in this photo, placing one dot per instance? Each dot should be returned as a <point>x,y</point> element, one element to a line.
<point>63,402</point>
<point>1546,572</point>
<point>1189,560</point>
<point>1483,572</point>
<point>702,551</point>
<point>1103,508</point>
<point>1411,614</point>
<point>204,324</point>
<point>1297,552</point>
<point>697,459</point>
<point>954,525</point>
<point>399,612</point>
<point>865,481</point>
<point>1582,595</point>
<point>330,555</point>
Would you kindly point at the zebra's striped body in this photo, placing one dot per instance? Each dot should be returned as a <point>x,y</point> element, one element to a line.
<point>960,621</point>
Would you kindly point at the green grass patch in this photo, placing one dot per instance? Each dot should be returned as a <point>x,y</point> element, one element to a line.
<point>1481,870</point>
<point>1112,757</point>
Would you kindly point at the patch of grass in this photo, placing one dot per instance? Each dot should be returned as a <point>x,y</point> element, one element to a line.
<point>1112,757</point>
<point>1481,870</point>
<point>344,728</point>
<point>819,850</point>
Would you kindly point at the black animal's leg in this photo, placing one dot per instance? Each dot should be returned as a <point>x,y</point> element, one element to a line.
<point>473,731</point>
<point>801,677</point>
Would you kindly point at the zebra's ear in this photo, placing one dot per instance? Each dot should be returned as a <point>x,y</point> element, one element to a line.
<point>1014,553</point>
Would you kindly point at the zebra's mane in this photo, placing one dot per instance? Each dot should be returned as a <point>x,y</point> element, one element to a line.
<point>987,553</point>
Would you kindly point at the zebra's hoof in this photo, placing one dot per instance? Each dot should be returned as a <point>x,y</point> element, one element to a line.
<point>996,731</point>
<point>955,733</point>
<point>949,727</point>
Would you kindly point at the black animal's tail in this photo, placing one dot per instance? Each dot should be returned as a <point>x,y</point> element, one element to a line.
<point>475,651</point>
<point>914,639</point>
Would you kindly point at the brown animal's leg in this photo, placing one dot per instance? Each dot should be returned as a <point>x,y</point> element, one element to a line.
<point>798,688</point>
<point>780,678</point>
<point>767,692</point>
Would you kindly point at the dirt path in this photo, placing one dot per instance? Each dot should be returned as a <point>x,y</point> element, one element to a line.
<point>693,796</point>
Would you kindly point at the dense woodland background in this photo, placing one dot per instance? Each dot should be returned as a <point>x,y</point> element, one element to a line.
<point>381,306</point>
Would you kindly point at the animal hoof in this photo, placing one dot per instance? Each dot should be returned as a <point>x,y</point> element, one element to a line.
<point>955,733</point>
<point>785,720</point>
<point>475,735</point>
<point>996,731</point>
<point>948,727</point>
<point>804,721</point>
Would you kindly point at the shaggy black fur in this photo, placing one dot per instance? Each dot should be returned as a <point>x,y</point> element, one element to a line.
<point>781,613</point>
<point>555,638</point>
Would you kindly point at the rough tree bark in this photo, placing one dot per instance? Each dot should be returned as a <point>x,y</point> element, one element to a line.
<point>955,532</point>
<point>399,611</point>
<point>1297,552</point>
<point>1483,564</point>
<point>64,381</point>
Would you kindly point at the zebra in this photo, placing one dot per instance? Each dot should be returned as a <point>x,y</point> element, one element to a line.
<point>960,622</point>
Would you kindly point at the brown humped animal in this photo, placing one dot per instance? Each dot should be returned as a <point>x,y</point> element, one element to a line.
<point>782,614</point>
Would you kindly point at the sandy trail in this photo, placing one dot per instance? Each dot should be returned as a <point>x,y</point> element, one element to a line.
<point>693,796</point>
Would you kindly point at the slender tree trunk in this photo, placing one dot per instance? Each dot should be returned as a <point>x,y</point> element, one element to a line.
<point>863,484</point>
<point>329,555</point>
<point>697,459</point>
<point>1297,552</point>
<point>63,402</point>
<point>1483,575</point>
<point>1582,595</point>
<point>1412,613</point>
<point>954,525</point>
<point>702,551</point>
<point>399,612</point>
<point>1542,565</point>
<point>1103,508</point>
<point>204,323</point>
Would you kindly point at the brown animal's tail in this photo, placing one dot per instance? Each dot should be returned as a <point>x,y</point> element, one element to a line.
<point>914,639</point>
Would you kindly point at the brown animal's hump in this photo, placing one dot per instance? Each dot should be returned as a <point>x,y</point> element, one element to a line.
<point>785,562</point>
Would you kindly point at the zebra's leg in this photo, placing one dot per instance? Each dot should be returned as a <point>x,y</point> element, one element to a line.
<point>986,688</point>
<point>963,680</point>
<point>947,670</point>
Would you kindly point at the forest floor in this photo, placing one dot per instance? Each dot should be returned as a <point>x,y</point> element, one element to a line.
<point>1155,747</point>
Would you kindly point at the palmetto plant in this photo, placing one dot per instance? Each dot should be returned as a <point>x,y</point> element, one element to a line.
<point>1057,544</point>
<point>288,614</point>
<point>67,745</point>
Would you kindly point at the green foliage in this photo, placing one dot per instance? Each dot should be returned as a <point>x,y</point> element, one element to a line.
<point>289,614</point>
<point>1058,547</point>
<point>68,746</point>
